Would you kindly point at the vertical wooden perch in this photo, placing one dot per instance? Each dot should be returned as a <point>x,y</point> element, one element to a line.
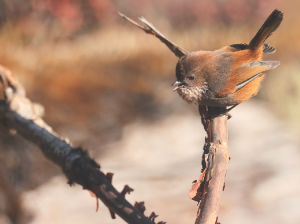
<point>216,164</point>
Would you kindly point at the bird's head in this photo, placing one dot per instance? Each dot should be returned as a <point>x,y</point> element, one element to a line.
<point>190,74</point>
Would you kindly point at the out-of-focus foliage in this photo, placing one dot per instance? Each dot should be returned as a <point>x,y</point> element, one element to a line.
<point>77,14</point>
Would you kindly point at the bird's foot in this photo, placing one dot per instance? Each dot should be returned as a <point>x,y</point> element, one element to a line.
<point>220,111</point>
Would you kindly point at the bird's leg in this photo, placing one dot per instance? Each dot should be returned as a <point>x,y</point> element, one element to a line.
<point>220,111</point>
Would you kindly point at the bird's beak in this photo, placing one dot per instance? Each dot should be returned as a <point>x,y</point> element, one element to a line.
<point>178,83</point>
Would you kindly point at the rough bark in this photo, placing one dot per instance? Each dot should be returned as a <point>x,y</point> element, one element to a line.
<point>216,162</point>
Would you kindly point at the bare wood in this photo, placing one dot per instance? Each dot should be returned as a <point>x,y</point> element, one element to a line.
<point>149,28</point>
<point>19,113</point>
<point>217,162</point>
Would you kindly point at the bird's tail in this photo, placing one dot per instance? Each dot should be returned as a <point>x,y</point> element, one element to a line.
<point>266,30</point>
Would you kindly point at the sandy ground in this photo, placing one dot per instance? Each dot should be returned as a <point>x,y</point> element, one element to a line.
<point>160,161</point>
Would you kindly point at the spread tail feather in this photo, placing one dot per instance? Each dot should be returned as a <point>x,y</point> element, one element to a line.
<point>267,29</point>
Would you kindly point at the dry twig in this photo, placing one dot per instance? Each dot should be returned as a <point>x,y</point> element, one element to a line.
<point>149,28</point>
<point>19,113</point>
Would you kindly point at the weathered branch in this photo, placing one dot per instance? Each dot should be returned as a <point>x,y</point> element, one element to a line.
<point>19,113</point>
<point>149,28</point>
<point>216,162</point>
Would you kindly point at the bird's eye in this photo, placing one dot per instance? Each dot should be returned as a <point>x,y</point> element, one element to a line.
<point>192,78</point>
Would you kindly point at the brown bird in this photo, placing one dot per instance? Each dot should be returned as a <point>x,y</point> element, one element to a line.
<point>230,75</point>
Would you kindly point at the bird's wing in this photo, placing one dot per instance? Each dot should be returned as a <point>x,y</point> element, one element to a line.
<point>237,47</point>
<point>244,75</point>
<point>250,71</point>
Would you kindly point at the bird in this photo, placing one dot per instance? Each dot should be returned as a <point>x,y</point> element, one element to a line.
<point>230,75</point>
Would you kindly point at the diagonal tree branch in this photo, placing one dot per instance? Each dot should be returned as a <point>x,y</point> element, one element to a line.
<point>19,113</point>
<point>149,28</point>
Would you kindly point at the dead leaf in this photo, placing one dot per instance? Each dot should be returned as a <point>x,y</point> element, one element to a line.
<point>94,196</point>
<point>197,188</point>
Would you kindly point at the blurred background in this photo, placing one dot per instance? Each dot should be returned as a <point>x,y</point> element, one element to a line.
<point>105,85</point>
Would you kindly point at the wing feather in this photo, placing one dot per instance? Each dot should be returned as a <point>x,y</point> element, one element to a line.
<point>245,74</point>
<point>248,70</point>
